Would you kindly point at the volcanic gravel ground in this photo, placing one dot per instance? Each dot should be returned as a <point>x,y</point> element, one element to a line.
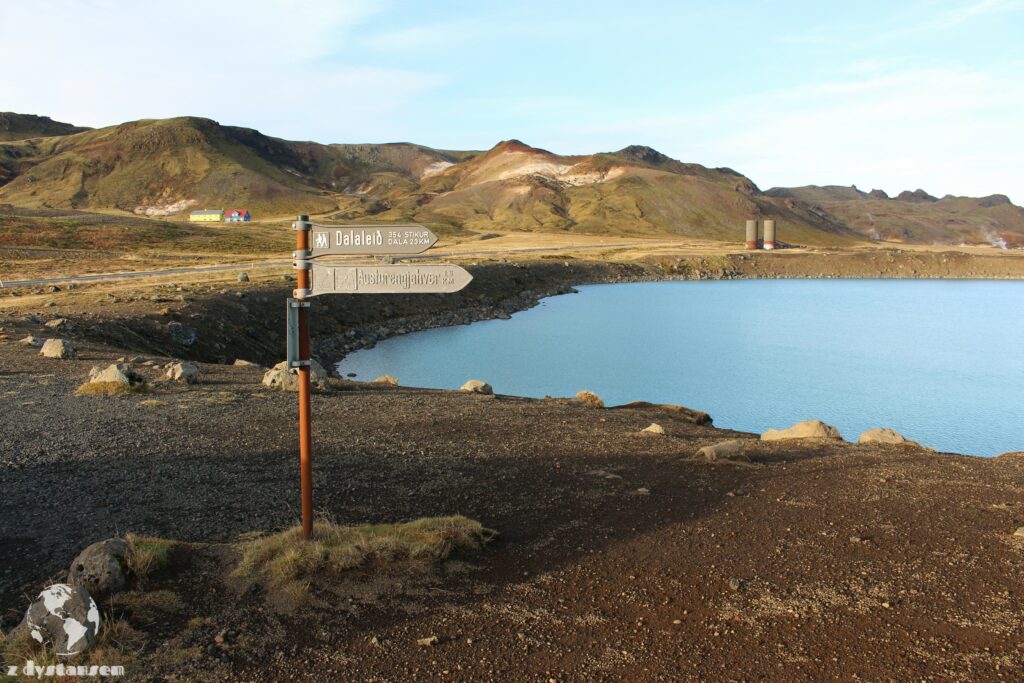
<point>620,558</point>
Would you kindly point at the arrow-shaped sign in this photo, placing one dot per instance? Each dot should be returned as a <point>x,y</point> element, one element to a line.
<point>402,279</point>
<point>370,239</point>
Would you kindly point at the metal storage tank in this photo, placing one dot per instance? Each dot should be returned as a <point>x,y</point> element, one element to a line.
<point>751,235</point>
<point>769,234</point>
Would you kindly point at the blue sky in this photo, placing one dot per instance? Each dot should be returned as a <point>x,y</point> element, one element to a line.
<point>927,93</point>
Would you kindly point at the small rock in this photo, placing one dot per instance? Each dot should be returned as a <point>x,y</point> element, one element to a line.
<point>183,372</point>
<point>285,379</point>
<point>386,379</point>
<point>724,451</point>
<point>181,333</point>
<point>1019,532</point>
<point>642,492</point>
<point>885,436</point>
<point>243,277</point>
<point>35,342</point>
<point>100,568</point>
<point>245,363</point>
<point>57,348</point>
<point>735,584</point>
<point>60,324</point>
<point>653,428</point>
<point>809,429</point>
<point>427,642</point>
<point>117,372</point>
<point>476,386</point>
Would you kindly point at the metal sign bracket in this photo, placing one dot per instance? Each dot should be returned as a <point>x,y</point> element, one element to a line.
<point>292,334</point>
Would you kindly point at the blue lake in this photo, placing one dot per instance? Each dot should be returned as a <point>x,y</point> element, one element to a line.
<point>940,361</point>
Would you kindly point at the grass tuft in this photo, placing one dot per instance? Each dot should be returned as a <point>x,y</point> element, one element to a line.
<point>111,389</point>
<point>285,560</point>
<point>146,554</point>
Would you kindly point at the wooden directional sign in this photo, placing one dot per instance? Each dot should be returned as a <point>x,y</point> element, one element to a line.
<point>328,240</point>
<point>405,279</point>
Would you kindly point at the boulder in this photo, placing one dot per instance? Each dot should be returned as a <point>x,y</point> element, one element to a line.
<point>117,372</point>
<point>386,379</point>
<point>101,568</point>
<point>183,372</point>
<point>653,428</point>
<point>243,277</point>
<point>281,378</point>
<point>885,436</point>
<point>809,429</point>
<point>476,386</point>
<point>724,451</point>
<point>57,348</point>
<point>181,334</point>
<point>59,324</point>
<point>590,398</point>
<point>34,342</point>
<point>64,616</point>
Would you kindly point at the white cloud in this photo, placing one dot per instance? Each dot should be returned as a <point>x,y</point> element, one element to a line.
<point>950,131</point>
<point>248,63</point>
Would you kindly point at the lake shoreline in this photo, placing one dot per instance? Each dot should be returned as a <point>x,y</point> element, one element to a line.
<point>245,320</point>
<point>524,294</point>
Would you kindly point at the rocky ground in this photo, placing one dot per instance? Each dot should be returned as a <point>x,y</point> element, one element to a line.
<point>620,557</point>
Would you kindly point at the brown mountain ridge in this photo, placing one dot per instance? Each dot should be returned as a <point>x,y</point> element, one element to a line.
<point>171,166</point>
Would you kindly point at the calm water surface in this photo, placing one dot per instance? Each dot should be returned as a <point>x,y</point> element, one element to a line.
<point>940,361</point>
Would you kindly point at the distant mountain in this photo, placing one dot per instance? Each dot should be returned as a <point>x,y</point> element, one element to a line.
<point>915,216</point>
<point>171,166</point>
<point>23,126</point>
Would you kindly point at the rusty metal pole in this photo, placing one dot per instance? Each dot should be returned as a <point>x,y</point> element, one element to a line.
<point>302,293</point>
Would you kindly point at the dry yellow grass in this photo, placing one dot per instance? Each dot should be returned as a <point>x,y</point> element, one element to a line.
<point>590,398</point>
<point>146,554</point>
<point>285,560</point>
<point>110,389</point>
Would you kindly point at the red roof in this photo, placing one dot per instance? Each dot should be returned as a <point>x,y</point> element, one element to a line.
<point>236,212</point>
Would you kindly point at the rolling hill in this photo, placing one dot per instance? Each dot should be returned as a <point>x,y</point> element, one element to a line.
<point>916,216</point>
<point>171,166</point>
<point>24,126</point>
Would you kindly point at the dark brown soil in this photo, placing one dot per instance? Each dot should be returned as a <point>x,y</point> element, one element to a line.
<point>819,561</point>
<point>620,557</point>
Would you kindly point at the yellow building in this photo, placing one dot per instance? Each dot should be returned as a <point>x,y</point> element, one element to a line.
<point>207,216</point>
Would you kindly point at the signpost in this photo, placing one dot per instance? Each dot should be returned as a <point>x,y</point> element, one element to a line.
<point>390,240</point>
<point>411,279</point>
<point>315,241</point>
